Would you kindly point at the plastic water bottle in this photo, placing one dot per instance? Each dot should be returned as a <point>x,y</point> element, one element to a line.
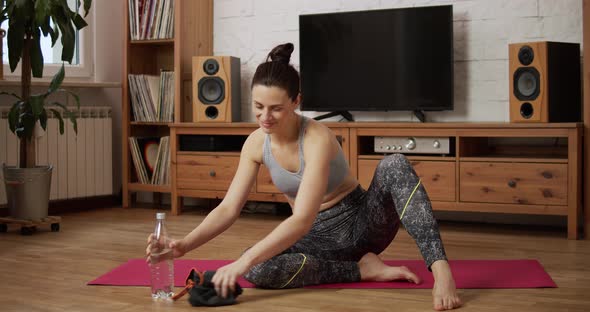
<point>161,261</point>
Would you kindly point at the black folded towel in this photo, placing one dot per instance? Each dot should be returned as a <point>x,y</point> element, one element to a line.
<point>202,293</point>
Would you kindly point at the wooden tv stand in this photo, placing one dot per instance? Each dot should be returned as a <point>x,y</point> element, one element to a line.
<point>492,167</point>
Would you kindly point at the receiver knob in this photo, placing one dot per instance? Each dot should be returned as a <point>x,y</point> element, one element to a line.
<point>436,144</point>
<point>411,144</point>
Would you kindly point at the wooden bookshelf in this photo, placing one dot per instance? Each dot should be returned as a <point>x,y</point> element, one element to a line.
<point>193,36</point>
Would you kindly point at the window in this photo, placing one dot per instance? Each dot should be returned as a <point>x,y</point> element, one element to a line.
<point>82,62</point>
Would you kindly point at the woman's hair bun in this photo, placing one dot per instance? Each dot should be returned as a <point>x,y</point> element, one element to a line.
<point>281,53</point>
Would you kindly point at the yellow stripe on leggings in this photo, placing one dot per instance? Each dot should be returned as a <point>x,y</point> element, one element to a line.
<point>300,268</point>
<point>410,198</point>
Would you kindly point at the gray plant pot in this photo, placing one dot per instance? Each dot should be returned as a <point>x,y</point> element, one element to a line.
<point>27,191</point>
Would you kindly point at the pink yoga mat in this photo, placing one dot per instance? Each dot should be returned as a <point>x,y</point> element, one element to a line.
<point>467,273</point>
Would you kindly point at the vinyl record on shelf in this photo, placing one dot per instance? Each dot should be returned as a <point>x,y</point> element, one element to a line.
<point>149,152</point>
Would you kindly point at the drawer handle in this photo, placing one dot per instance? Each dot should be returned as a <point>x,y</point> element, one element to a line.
<point>512,183</point>
<point>212,173</point>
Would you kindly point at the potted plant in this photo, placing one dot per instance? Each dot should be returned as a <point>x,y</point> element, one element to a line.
<point>28,185</point>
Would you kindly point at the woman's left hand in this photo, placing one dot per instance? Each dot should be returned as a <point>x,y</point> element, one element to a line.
<point>226,277</point>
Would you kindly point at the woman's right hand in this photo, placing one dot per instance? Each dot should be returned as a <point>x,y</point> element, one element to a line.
<point>178,247</point>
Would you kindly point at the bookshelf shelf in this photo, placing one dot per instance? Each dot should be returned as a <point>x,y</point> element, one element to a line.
<point>153,41</point>
<point>192,25</point>
<point>134,186</point>
<point>150,123</point>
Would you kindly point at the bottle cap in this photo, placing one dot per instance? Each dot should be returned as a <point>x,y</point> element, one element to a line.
<point>160,215</point>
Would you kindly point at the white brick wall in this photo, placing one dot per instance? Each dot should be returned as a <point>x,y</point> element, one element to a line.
<point>483,29</point>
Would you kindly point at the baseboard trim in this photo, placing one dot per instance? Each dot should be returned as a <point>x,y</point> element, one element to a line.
<point>57,207</point>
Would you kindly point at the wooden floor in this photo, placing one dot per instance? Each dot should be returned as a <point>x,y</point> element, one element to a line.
<point>49,271</point>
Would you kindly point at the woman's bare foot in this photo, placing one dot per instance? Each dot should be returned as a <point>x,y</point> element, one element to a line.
<point>373,269</point>
<point>444,292</point>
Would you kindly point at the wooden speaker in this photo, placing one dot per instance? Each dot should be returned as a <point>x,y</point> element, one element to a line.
<point>545,82</point>
<point>216,89</point>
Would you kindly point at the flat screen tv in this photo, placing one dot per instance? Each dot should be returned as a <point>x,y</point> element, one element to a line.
<point>377,60</point>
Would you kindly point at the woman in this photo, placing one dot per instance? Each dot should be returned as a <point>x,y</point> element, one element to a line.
<point>337,228</point>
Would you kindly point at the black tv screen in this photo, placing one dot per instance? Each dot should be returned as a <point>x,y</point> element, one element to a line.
<point>380,60</point>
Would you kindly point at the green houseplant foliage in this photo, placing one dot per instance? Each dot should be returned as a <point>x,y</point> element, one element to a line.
<point>28,20</point>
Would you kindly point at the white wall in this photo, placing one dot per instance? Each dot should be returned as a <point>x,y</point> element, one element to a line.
<point>249,29</point>
<point>109,40</point>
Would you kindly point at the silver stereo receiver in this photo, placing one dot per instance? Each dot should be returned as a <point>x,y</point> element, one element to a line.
<point>414,145</point>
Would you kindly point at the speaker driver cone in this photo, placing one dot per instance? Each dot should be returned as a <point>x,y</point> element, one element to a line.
<point>211,90</point>
<point>211,112</point>
<point>526,83</point>
<point>526,110</point>
<point>526,55</point>
<point>211,67</point>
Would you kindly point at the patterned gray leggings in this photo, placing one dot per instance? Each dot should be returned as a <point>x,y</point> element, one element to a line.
<point>362,222</point>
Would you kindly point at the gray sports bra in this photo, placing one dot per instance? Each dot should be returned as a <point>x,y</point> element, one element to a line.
<point>288,182</point>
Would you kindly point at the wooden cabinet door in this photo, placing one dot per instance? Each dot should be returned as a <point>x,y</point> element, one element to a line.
<point>212,173</point>
<point>438,177</point>
<point>519,183</point>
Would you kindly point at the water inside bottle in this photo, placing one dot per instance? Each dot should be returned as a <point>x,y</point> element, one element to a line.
<point>162,267</point>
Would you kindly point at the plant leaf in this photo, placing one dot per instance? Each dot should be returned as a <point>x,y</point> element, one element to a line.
<point>5,10</point>
<point>21,3</point>
<point>45,26</point>
<point>57,80</point>
<point>41,10</point>
<point>61,121</point>
<point>68,113</point>
<point>6,93</point>
<point>79,22</point>
<point>87,5</point>
<point>73,120</point>
<point>16,33</point>
<point>54,34</point>
<point>68,40</point>
<point>43,120</point>
<point>19,132</point>
<point>10,7</point>
<point>60,12</point>
<point>13,116</point>
<point>36,54</point>
<point>36,102</point>
<point>28,125</point>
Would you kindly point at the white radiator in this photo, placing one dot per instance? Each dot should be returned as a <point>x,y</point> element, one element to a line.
<point>82,163</point>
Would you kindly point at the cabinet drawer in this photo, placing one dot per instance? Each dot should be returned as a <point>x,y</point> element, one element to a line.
<point>213,173</point>
<point>438,177</point>
<point>264,182</point>
<point>520,183</point>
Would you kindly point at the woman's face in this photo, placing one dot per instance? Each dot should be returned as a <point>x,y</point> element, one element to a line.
<point>272,107</point>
